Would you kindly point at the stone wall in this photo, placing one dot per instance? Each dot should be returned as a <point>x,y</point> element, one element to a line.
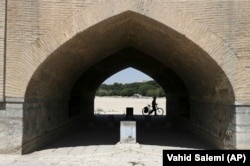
<point>51,115</point>
<point>241,123</point>
<point>27,22</point>
<point>40,33</point>
<point>11,127</point>
<point>2,48</point>
<point>43,122</point>
<point>230,21</point>
<point>214,123</point>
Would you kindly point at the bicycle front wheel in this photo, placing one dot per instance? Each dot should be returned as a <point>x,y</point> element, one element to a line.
<point>159,111</point>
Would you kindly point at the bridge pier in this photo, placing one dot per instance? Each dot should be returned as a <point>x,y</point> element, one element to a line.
<point>240,133</point>
<point>11,126</point>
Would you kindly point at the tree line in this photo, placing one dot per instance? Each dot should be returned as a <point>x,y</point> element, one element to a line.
<point>148,88</point>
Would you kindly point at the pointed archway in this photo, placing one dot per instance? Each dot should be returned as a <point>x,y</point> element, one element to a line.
<point>195,85</point>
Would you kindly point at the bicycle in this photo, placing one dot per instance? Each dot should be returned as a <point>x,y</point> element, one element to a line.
<point>146,110</point>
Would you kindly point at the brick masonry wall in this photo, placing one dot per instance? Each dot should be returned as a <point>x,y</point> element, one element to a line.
<point>28,21</point>
<point>230,20</point>
<point>2,39</point>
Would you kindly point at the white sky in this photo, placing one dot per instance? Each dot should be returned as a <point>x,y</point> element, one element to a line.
<point>128,75</point>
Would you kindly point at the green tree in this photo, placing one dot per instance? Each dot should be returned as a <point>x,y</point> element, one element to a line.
<point>149,88</point>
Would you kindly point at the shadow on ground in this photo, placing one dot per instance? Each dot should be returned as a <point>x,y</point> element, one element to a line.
<point>105,130</point>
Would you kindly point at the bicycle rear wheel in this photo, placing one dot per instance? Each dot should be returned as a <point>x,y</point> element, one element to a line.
<point>159,111</point>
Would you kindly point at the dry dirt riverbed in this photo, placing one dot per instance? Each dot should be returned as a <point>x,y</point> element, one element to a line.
<point>117,105</point>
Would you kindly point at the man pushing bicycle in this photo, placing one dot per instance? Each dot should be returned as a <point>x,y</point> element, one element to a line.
<point>146,111</point>
<point>153,106</point>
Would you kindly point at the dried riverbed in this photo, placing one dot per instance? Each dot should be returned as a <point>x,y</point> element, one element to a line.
<point>117,105</point>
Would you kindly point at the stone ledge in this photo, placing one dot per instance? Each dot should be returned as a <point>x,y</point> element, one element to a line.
<point>242,103</point>
<point>18,106</point>
<point>14,100</point>
<point>242,109</point>
<point>241,128</point>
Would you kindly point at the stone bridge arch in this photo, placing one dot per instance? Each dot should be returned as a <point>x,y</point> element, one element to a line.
<point>128,39</point>
<point>197,60</point>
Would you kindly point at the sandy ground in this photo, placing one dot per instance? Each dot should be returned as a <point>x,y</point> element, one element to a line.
<point>99,145</point>
<point>117,105</point>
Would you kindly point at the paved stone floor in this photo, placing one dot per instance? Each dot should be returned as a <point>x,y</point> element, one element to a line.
<point>98,155</point>
<point>97,146</point>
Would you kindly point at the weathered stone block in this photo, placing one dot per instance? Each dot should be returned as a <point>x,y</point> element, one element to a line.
<point>128,132</point>
<point>242,140</point>
<point>242,116</point>
<point>11,135</point>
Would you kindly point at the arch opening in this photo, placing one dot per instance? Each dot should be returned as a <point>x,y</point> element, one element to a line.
<point>62,89</point>
<point>165,77</point>
<point>127,88</point>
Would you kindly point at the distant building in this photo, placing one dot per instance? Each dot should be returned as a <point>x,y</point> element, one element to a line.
<point>137,95</point>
